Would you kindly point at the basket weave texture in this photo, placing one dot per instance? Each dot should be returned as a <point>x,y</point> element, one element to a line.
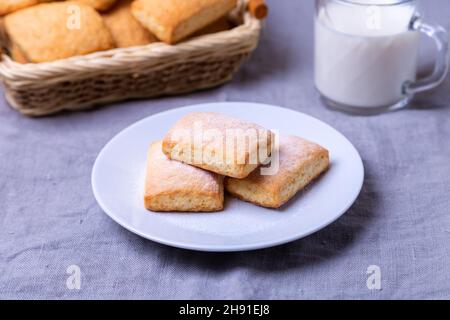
<point>146,71</point>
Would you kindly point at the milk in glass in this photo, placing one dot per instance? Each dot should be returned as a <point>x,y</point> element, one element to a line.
<point>364,54</point>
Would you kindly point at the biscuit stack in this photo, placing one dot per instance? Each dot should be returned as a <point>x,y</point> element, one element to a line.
<point>204,154</point>
<point>35,31</point>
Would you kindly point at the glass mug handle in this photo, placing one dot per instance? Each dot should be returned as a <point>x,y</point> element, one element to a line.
<point>440,37</point>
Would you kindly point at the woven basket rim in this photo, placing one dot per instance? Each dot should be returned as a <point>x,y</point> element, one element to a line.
<point>251,26</point>
<point>152,70</point>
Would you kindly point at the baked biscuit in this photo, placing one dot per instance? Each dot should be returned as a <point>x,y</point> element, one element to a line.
<point>124,27</point>
<point>219,143</point>
<point>101,5</point>
<point>45,33</point>
<point>14,51</point>
<point>3,36</point>
<point>174,186</point>
<point>9,6</point>
<point>174,20</point>
<point>17,54</point>
<point>300,161</point>
<point>223,24</point>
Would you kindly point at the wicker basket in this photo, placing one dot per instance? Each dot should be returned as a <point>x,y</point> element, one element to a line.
<point>147,71</point>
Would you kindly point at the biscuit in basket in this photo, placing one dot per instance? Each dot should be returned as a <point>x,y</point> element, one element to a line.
<point>3,36</point>
<point>100,5</point>
<point>124,27</point>
<point>9,6</point>
<point>17,54</point>
<point>174,20</point>
<point>300,162</point>
<point>14,51</point>
<point>174,186</point>
<point>45,32</point>
<point>219,143</point>
<point>223,24</point>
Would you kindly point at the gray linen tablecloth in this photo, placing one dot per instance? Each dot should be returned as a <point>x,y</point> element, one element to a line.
<point>50,220</point>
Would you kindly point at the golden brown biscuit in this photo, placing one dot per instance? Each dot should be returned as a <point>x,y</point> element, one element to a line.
<point>174,20</point>
<point>14,51</point>
<point>174,186</point>
<point>3,36</point>
<point>101,5</point>
<point>9,6</point>
<point>17,54</point>
<point>124,27</point>
<point>57,30</point>
<point>219,143</point>
<point>300,161</point>
<point>223,24</point>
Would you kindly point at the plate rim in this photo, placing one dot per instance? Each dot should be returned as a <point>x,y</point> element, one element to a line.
<point>223,248</point>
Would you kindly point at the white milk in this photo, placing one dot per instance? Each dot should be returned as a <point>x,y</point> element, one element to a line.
<point>364,55</point>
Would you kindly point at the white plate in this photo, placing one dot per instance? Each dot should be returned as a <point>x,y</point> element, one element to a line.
<point>119,171</point>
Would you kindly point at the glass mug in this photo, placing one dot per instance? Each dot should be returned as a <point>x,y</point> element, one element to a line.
<point>366,54</point>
